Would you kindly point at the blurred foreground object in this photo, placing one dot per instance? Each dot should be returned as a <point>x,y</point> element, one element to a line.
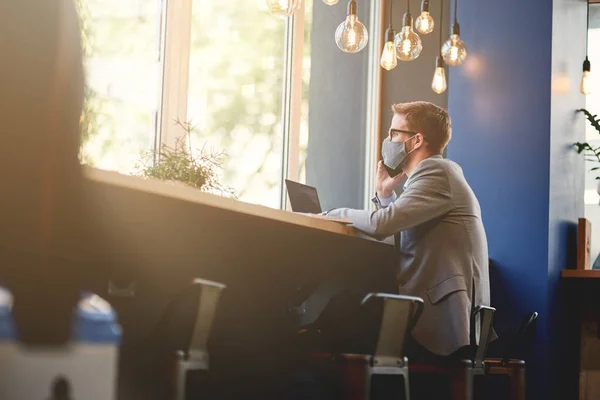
<point>41,219</point>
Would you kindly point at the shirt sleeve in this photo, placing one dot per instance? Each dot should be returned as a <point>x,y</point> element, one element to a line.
<point>386,201</point>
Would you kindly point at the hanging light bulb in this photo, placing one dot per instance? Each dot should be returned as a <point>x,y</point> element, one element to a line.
<point>439,84</point>
<point>330,2</point>
<point>408,43</point>
<point>283,8</point>
<point>351,35</point>
<point>586,79</point>
<point>424,23</point>
<point>454,49</point>
<point>388,56</point>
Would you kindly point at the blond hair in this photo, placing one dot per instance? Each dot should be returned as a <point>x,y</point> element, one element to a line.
<point>431,121</point>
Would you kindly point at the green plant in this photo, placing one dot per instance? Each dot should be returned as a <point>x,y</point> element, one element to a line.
<point>179,164</point>
<point>590,152</point>
<point>89,114</point>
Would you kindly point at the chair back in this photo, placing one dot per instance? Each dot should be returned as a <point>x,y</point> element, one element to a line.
<point>210,292</point>
<point>186,322</point>
<point>400,315</point>
<point>486,321</point>
<point>524,332</point>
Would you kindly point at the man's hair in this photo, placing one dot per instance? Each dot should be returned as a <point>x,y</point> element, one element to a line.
<point>431,121</point>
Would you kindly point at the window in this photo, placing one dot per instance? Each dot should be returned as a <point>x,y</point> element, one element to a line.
<point>592,199</point>
<point>239,75</point>
<point>123,72</point>
<point>236,75</point>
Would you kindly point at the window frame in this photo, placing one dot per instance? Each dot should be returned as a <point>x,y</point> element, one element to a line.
<point>176,26</point>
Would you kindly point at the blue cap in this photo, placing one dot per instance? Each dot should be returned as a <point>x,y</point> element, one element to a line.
<point>7,324</point>
<point>94,320</point>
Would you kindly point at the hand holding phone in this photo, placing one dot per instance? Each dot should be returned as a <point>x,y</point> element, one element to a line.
<point>386,181</point>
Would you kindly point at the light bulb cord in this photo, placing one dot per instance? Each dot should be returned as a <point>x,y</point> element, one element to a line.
<point>587,29</point>
<point>408,6</point>
<point>455,11</point>
<point>390,13</point>
<point>441,24</point>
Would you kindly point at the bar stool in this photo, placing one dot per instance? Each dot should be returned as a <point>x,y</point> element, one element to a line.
<point>356,371</point>
<point>462,374</point>
<point>514,368</point>
<point>184,328</point>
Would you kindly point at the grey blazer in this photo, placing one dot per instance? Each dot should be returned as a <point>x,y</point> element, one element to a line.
<point>443,250</point>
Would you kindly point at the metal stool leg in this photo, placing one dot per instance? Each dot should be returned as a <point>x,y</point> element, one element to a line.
<point>406,384</point>
<point>367,394</point>
<point>180,375</point>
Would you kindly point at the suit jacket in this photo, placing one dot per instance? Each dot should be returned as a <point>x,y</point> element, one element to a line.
<point>443,255</point>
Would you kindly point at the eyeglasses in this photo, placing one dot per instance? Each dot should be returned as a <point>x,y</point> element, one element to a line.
<point>394,132</point>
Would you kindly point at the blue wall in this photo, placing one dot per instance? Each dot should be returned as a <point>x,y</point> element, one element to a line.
<point>512,127</point>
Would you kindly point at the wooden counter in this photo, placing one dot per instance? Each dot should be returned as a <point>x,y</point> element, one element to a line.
<point>156,237</point>
<point>195,196</point>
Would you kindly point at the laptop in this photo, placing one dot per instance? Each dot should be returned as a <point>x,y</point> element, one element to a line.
<point>304,199</point>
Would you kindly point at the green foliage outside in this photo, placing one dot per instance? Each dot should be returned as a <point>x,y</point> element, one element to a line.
<point>591,153</point>
<point>88,116</point>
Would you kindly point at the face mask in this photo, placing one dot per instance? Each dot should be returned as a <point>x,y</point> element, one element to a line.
<point>394,154</point>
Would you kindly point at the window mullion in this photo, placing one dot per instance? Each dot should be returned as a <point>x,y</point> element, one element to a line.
<point>296,94</point>
<point>292,99</point>
<point>175,70</point>
<point>373,111</point>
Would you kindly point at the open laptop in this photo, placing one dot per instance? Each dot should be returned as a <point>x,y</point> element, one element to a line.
<point>304,199</point>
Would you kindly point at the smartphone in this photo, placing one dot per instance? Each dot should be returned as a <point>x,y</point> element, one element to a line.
<point>393,172</point>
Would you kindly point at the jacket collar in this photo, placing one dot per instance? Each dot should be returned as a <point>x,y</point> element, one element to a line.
<point>435,157</point>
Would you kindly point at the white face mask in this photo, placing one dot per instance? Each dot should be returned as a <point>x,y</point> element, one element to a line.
<point>394,154</point>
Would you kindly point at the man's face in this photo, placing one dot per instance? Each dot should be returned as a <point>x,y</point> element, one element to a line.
<point>399,131</point>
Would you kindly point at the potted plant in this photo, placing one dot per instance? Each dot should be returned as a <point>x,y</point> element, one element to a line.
<point>179,164</point>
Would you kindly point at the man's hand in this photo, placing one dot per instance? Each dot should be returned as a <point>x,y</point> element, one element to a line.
<point>384,184</point>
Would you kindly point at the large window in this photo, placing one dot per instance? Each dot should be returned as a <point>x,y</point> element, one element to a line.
<point>243,79</point>
<point>231,69</point>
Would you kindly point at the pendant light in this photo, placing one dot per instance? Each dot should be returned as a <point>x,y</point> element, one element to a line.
<point>424,23</point>
<point>351,35</point>
<point>283,8</point>
<point>408,43</point>
<point>454,49</point>
<point>438,84</point>
<point>586,79</point>
<point>388,55</point>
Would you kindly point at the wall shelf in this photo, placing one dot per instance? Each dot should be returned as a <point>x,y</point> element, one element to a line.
<point>581,273</point>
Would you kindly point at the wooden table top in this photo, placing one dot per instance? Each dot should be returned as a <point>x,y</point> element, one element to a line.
<point>192,195</point>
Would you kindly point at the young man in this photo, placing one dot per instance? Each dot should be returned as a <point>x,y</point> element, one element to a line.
<point>442,251</point>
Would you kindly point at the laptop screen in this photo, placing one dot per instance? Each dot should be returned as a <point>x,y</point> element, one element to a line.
<point>303,198</point>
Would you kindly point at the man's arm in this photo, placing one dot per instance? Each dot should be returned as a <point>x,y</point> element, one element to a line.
<point>427,197</point>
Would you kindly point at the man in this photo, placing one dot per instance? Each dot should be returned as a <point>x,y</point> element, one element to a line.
<point>442,253</point>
